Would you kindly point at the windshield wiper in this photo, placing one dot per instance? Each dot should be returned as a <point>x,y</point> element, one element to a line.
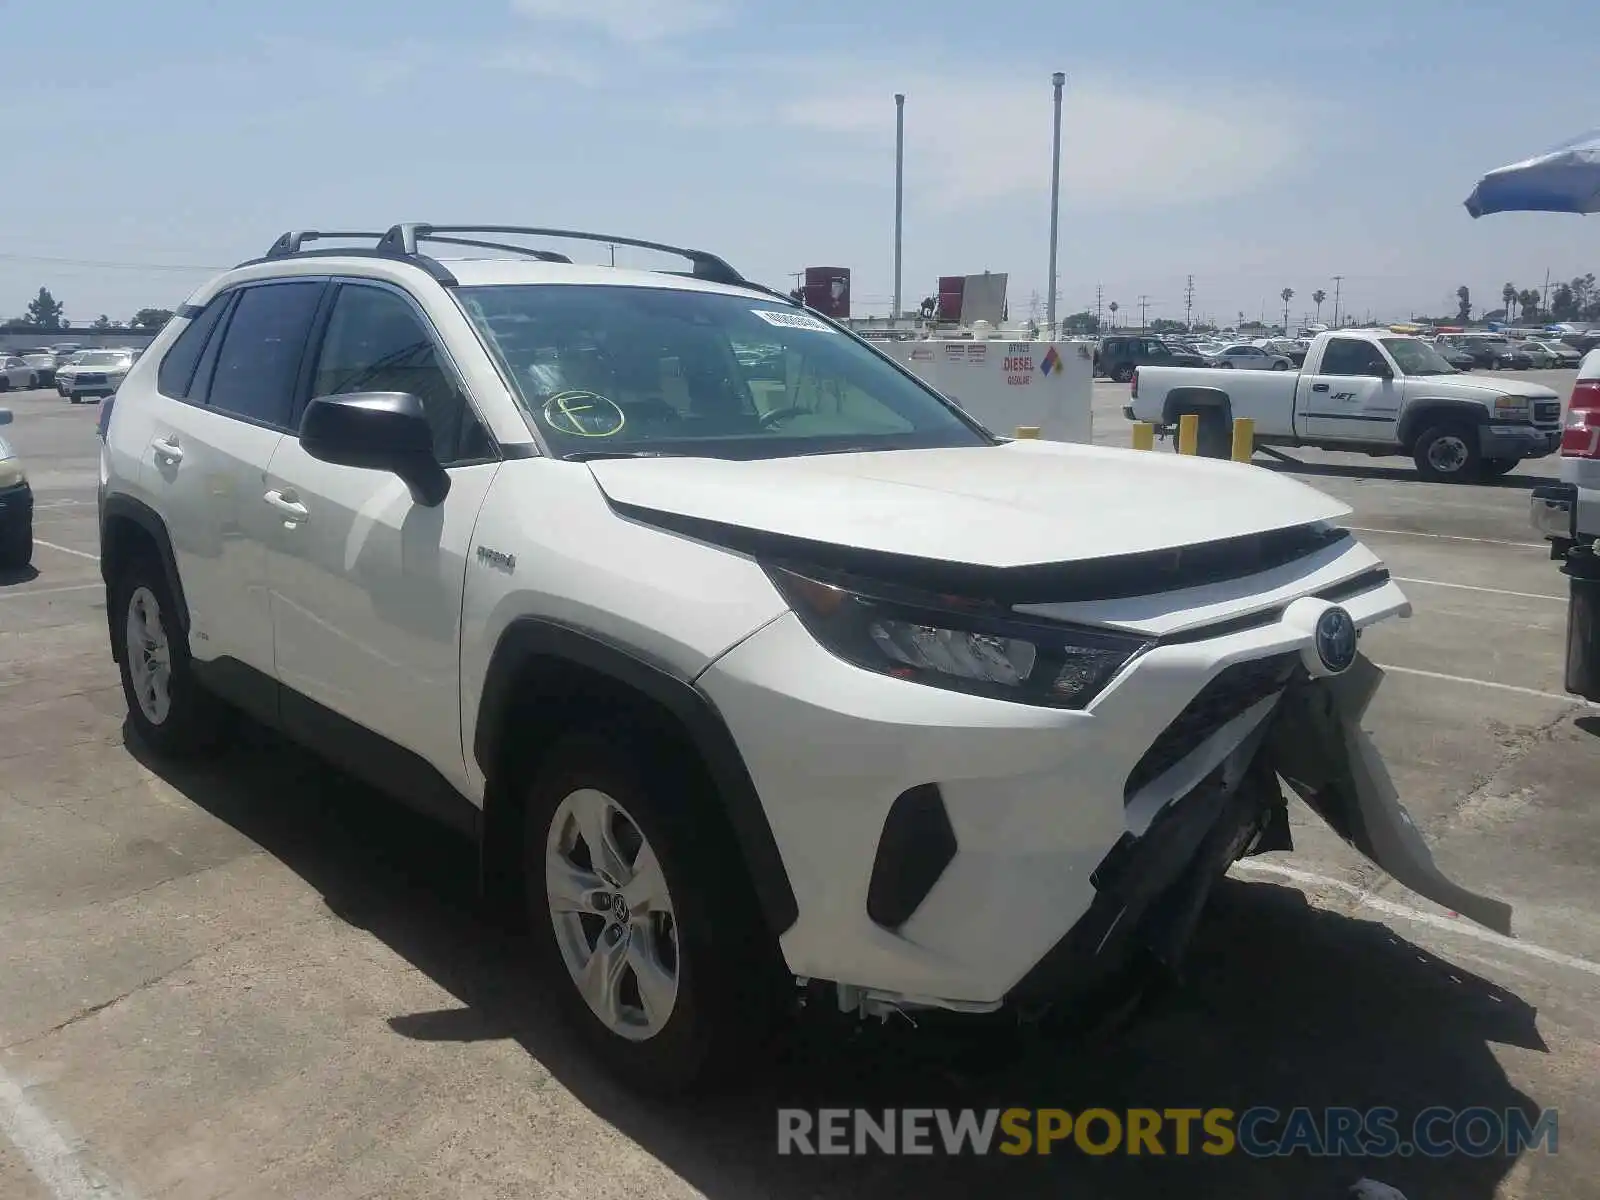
<point>593,455</point>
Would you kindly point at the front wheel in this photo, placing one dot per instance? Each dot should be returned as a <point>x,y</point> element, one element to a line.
<point>1280,366</point>
<point>167,706</point>
<point>16,545</point>
<point>33,382</point>
<point>1123,373</point>
<point>1449,453</point>
<point>641,912</point>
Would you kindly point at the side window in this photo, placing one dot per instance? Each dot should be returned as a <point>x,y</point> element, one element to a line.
<point>375,342</point>
<point>259,361</point>
<point>1347,356</point>
<point>176,372</point>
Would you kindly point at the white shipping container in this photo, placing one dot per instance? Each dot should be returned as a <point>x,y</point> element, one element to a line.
<point>1006,385</point>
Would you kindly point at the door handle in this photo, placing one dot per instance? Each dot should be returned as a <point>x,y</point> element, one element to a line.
<point>293,511</point>
<point>168,449</point>
<point>1319,387</point>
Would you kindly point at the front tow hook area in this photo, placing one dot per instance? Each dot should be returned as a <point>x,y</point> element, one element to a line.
<point>1318,747</point>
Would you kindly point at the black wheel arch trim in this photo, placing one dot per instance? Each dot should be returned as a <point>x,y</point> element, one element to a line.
<point>528,638</point>
<point>116,508</point>
<point>1420,414</point>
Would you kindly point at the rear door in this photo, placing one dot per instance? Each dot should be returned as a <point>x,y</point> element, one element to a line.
<point>206,457</point>
<point>1354,396</point>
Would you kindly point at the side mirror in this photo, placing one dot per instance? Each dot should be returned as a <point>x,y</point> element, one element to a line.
<point>377,431</point>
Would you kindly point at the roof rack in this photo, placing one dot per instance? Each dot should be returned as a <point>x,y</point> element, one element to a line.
<point>404,239</point>
<point>402,242</point>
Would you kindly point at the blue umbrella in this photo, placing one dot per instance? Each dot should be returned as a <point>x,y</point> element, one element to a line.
<point>1566,179</point>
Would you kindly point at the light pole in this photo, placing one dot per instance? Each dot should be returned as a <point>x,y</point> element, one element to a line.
<point>1338,280</point>
<point>899,190</point>
<point>1059,79</point>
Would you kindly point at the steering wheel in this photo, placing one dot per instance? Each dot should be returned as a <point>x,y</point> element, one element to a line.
<point>769,419</point>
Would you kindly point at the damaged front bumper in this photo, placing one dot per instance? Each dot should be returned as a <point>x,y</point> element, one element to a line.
<point>1151,888</point>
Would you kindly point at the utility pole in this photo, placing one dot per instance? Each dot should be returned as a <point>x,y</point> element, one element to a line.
<point>1099,295</point>
<point>1188,305</point>
<point>1144,304</point>
<point>1059,80</point>
<point>1546,305</point>
<point>1338,280</point>
<point>899,190</point>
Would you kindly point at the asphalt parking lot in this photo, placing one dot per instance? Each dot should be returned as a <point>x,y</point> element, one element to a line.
<point>255,978</point>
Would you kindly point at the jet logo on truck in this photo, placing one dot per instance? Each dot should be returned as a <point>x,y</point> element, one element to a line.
<point>1344,395</point>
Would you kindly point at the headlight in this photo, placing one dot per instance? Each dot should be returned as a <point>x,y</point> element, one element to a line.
<point>11,472</point>
<point>949,642</point>
<point>1512,408</point>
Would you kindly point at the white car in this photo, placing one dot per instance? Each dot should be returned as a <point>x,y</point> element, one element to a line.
<point>1246,357</point>
<point>1538,354</point>
<point>1560,354</point>
<point>16,372</point>
<point>93,373</point>
<point>16,506</point>
<point>750,689</point>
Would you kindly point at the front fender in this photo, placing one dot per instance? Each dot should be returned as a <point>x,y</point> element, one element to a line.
<point>1319,748</point>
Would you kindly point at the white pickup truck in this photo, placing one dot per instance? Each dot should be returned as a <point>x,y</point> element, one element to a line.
<point>1365,390</point>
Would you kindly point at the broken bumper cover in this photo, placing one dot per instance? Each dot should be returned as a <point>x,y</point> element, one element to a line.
<point>1150,890</point>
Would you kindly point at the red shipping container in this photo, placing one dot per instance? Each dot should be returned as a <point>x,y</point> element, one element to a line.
<point>827,290</point>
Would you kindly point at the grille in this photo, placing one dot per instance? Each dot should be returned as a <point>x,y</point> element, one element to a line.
<point>90,378</point>
<point>1232,692</point>
<point>1547,411</point>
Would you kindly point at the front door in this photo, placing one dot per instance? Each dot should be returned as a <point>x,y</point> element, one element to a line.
<point>367,584</point>
<point>1354,396</point>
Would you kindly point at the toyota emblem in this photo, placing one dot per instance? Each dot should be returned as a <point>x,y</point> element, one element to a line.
<point>1336,640</point>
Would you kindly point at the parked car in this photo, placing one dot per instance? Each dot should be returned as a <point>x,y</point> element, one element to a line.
<point>43,361</point>
<point>1538,357</point>
<point>778,712</point>
<point>1244,357</point>
<point>1372,391</point>
<point>16,506</point>
<point>1288,348</point>
<point>1120,354</point>
<point>1561,354</point>
<point>93,373</point>
<point>16,373</point>
<point>1455,356</point>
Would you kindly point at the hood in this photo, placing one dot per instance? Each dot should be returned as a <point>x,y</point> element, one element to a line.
<point>1499,385</point>
<point>1018,504</point>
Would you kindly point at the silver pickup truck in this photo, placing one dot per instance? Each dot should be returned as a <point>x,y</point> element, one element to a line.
<point>1371,391</point>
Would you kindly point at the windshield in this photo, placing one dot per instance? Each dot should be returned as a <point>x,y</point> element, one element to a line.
<point>1417,358</point>
<point>637,370</point>
<point>104,358</point>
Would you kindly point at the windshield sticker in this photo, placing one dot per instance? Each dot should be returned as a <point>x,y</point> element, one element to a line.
<point>583,414</point>
<point>793,320</point>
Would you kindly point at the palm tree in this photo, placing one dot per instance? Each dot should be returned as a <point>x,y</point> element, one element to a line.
<point>1287,294</point>
<point>1114,307</point>
<point>1317,297</point>
<point>1508,296</point>
<point>1529,300</point>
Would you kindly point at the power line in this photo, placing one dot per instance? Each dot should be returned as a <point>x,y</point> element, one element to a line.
<point>113,266</point>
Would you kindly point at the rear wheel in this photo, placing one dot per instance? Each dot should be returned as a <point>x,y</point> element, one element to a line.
<point>172,713</point>
<point>1280,366</point>
<point>641,914</point>
<point>1448,453</point>
<point>1122,373</point>
<point>1215,437</point>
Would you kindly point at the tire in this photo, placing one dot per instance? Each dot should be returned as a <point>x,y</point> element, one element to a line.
<point>192,720</point>
<point>1280,366</point>
<point>1494,468</point>
<point>1448,453</point>
<point>5,383</point>
<point>718,986</point>
<point>1215,439</point>
<point>74,397</point>
<point>33,382</point>
<point>1224,365</point>
<point>16,546</point>
<point>1122,373</point>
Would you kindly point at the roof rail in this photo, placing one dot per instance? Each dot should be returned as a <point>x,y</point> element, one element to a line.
<point>403,240</point>
<point>290,243</point>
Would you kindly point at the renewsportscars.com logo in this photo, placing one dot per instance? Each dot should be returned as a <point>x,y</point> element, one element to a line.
<point>1259,1132</point>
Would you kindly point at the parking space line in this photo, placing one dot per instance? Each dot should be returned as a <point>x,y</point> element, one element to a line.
<point>48,1149</point>
<point>67,550</point>
<point>53,591</point>
<point>1488,683</point>
<point>1461,925</point>
<point>1451,537</point>
<point>1472,587</point>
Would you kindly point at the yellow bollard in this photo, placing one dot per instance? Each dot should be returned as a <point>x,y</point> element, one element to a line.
<point>1027,431</point>
<point>1144,435</point>
<point>1188,433</point>
<point>1244,439</point>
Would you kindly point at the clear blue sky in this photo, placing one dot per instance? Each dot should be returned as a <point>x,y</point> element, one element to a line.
<point>1258,146</point>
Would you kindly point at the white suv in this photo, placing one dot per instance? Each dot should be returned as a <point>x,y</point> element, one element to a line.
<point>758,670</point>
